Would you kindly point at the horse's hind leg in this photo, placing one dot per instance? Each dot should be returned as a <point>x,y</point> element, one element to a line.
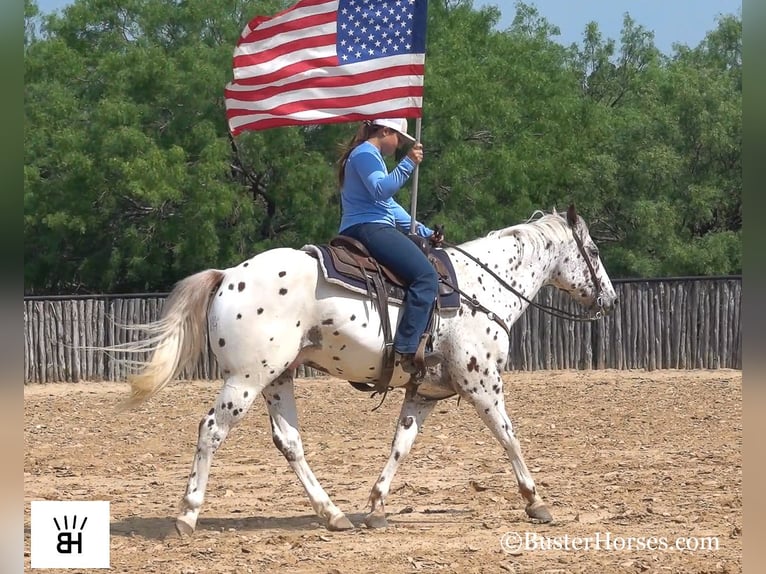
<point>414,411</point>
<point>280,400</point>
<point>490,404</point>
<point>233,401</point>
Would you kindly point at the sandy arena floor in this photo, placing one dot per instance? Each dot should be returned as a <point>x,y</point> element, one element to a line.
<point>631,455</point>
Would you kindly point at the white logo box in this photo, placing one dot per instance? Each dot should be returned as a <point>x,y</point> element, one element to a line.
<point>69,534</point>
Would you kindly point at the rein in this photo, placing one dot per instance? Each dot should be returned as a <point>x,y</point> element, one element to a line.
<point>560,313</point>
<point>474,302</point>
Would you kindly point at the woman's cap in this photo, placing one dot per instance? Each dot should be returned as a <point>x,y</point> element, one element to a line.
<point>396,124</point>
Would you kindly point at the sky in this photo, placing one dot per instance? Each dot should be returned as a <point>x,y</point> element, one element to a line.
<point>672,21</point>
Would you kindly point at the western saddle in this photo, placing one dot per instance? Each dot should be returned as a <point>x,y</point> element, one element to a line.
<point>348,259</point>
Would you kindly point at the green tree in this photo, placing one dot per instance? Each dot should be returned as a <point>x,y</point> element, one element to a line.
<point>132,181</point>
<point>662,151</point>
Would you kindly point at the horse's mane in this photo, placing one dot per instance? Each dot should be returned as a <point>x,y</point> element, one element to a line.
<point>540,224</point>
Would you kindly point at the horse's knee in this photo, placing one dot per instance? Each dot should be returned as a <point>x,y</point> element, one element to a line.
<point>211,432</point>
<point>288,443</point>
<point>290,451</point>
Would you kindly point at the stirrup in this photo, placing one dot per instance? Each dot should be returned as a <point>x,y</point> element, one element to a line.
<point>408,361</point>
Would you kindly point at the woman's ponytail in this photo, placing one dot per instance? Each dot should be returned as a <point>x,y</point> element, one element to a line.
<point>363,133</point>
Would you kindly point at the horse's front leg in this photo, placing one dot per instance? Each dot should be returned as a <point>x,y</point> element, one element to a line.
<point>484,388</point>
<point>414,411</point>
<point>280,400</point>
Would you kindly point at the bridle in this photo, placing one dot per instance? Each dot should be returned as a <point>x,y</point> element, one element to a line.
<point>560,313</point>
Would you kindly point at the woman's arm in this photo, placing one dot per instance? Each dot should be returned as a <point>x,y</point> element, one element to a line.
<point>379,184</point>
<point>403,219</point>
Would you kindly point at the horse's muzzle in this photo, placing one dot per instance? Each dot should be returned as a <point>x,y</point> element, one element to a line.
<point>606,304</point>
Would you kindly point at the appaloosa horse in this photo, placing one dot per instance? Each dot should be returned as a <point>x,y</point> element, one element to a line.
<point>275,311</point>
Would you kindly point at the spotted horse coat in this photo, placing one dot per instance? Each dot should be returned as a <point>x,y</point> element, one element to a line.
<point>274,312</point>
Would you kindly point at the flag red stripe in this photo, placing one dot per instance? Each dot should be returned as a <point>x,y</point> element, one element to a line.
<point>321,82</point>
<point>282,49</point>
<point>290,26</point>
<point>336,102</point>
<point>309,21</point>
<point>411,112</point>
<point>291,70</point>
<point>259,20</point>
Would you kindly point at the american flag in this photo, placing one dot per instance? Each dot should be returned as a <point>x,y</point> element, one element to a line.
<point>325,61</point>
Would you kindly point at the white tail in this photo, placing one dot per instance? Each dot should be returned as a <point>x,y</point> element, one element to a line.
<point>173,340</point>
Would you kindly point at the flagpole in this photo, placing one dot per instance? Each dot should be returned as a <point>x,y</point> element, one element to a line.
<point>414,207</point>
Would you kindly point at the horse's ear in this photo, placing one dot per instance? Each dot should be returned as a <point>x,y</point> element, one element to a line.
<point>572,215</point>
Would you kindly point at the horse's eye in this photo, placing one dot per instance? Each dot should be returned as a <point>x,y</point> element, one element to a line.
<point>593,251</point>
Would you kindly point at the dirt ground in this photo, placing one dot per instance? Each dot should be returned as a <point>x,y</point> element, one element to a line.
<point>629,455</point>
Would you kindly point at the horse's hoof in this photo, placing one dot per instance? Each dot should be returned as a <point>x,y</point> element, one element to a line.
<point>539,511</point>
<point>376,520</point>
<point>339,522</point>
<point>185,525</point>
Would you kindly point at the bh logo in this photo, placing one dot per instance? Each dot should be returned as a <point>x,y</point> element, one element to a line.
<point>70,534</point>
<point>65,538</point>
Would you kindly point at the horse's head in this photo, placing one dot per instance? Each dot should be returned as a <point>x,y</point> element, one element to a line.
<point>580,272</point>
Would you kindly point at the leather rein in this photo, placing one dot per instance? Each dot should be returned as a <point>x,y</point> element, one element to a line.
<point>560,313</point>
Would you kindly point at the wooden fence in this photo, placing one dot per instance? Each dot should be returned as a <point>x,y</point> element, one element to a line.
<point>685,323</point>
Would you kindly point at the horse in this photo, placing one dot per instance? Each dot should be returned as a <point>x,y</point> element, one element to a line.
<point>275,311</point>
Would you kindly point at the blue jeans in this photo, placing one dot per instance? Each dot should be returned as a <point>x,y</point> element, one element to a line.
<point>396,251</point>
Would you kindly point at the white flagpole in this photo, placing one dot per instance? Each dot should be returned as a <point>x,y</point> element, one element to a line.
<point>414,207</point>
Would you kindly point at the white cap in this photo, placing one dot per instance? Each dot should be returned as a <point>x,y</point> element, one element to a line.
<point>396,124</point>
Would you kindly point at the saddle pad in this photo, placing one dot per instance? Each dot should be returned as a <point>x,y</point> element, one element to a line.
<point>447,300</point>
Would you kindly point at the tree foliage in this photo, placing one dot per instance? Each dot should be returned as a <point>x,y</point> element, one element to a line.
<point>132,181</point>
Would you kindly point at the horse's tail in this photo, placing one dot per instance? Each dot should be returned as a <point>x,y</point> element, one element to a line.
<point>173,340</point>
